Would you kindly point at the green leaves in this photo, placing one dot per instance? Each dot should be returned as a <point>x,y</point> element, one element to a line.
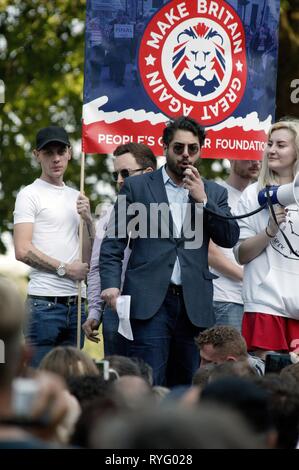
<point>41,64</point>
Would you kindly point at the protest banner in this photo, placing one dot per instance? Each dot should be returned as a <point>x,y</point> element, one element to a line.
<point>215,61</point>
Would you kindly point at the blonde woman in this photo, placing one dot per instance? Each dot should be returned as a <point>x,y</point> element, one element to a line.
<point>271,270</point>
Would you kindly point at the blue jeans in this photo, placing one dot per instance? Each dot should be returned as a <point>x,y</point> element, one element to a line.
<point>228,313</point>
<point>114,343</point>
<point>51,324</point>
<point>166,342</point>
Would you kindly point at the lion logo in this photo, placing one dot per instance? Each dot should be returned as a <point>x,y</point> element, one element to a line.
<point>199,61</point>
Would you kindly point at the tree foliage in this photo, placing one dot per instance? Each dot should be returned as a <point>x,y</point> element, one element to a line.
<point>41,64</point>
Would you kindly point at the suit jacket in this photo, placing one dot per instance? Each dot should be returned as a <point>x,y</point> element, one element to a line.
<point>152,259</point>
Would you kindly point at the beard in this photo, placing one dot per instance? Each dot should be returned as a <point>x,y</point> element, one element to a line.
<point>174,167</point>
<point>246,173</point>
<point>178,171</point>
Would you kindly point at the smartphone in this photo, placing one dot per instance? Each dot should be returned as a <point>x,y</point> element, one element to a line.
<point>276,361</point>
<point>103,367</point>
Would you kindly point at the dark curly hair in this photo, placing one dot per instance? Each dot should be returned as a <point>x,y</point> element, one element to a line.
<point>183,123</point>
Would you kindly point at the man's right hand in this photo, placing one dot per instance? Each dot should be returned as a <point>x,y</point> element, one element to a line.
<point>77,271</point>
<point>109,296</point>
<point>90,328</point>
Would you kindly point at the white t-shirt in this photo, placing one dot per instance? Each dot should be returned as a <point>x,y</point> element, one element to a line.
<point>225,288</point>
<point>52,210</point>
<point>271,280</point>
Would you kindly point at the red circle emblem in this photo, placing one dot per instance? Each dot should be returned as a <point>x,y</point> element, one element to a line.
<point>192,60</point>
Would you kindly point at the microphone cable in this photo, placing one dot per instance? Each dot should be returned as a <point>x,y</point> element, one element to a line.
<point>243,216</point>
<point>275,220</point>
<point>235,217</point>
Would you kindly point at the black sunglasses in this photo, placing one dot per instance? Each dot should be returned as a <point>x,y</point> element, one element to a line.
<point>179,148</point>
<point>124,173</point>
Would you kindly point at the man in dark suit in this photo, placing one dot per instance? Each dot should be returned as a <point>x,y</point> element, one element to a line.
<point>167,276</point>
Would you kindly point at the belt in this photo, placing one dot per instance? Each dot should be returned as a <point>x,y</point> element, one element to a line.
<point>175,289</point>
<point>67,300</point>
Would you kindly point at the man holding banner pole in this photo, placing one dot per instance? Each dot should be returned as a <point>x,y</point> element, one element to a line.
<point>46,222</point>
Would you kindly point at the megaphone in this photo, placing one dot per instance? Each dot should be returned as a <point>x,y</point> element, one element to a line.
<point>284,194</point>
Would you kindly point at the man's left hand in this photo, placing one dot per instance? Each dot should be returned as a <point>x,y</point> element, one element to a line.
<point>193,182</point>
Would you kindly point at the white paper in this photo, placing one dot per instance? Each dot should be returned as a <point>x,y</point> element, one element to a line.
<point>123,304</point>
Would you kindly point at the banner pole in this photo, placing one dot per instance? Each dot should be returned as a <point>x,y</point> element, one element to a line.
<point>80,254</point>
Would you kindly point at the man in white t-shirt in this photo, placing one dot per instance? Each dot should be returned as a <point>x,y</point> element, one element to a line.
<point>227,298</point>
<point>46,221</point>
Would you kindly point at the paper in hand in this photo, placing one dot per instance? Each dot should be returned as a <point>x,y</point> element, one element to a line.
<point>123,304</point>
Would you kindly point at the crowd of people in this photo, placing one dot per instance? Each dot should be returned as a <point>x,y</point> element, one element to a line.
<point>192,374</point>
<point>229,405</point>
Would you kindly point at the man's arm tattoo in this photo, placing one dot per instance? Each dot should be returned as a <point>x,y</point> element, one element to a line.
<point>36,262</point>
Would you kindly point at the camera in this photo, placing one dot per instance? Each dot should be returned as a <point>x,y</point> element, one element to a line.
<point>276,361</point>
<point>105,371</point>
<point>24,394</point>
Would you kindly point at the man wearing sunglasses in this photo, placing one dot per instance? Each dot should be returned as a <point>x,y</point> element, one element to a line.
<point>169,282</point>
<point>131,159</point>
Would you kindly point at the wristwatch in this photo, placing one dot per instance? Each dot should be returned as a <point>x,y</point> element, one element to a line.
<point>61,270</point>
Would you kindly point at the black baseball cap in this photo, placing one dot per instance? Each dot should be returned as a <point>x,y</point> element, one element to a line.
<point>51,134</point>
